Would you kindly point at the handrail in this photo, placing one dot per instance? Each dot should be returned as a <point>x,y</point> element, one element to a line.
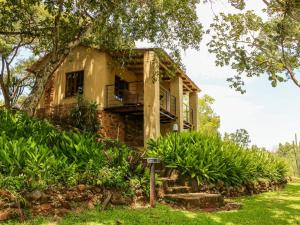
<point>188,113</point>
<point>134,95</point>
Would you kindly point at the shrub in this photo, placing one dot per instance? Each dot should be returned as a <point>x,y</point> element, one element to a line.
<point>84,115</point>
<point>34,154</point>
<point>209,159</point>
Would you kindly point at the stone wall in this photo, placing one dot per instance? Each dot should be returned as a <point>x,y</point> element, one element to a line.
<point>59,201</point>
<point>112,125</point>
<point>134,130</point>
<point>128,129</point>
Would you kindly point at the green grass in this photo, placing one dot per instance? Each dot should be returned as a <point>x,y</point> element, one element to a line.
<point>281,207</point>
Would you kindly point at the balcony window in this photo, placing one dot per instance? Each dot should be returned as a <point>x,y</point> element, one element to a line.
<point>74,83</point>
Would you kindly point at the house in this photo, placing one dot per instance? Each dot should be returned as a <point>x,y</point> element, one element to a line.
<point>134,103</point>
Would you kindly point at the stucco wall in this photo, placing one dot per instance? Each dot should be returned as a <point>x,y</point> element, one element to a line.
<point>99,71</point>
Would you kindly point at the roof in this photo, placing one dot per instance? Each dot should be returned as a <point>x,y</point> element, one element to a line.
<point>135,63</point>
<point>167,65</point>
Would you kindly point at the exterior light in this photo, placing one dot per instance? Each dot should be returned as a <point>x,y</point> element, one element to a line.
<point>175,127</point>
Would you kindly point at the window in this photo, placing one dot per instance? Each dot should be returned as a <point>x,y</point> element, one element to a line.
<point>121,86</point>
<point>74,83</point>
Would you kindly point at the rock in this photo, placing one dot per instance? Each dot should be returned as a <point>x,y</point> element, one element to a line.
<point>34,195</point>
<point>44,207</point>
<point>61,212</point>
<point>118,199</point>
<point>81,187</point>
<point>220,184</point>
<point>98,189</point>
<point>65,205</point>
<point>2,204</point>
<point>44,198</point>
<point>232,206</point>
<point>90,204</point>
<point>6,214</point>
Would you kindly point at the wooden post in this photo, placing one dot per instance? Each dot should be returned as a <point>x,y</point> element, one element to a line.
<point>152,162</point>
<point>152,186</point>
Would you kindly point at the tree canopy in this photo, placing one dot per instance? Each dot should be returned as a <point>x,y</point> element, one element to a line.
<point>58,26</point>
<point>254,46</point>
<point>208,121</point>
<point>240,137</point>
<point>291,151</point>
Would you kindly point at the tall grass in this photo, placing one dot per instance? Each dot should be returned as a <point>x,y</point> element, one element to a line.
<point>210,159</point>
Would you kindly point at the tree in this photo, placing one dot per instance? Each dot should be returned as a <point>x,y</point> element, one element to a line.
<point>113,25</point>
<point>208,121</point>
<point>291,152</point>
<point>240,137</point>
<point>13,78</point>
<point>254,47</point>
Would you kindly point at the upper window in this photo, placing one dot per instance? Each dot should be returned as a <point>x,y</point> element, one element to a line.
<point>74,83</point>
<point>121,86</point>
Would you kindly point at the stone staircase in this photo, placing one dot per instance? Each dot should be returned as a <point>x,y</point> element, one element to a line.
<point>179,191</point>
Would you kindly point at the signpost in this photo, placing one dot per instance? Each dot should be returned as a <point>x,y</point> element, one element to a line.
<point>152,162</point>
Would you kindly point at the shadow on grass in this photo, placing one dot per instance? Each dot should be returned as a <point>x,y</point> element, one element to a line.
<point>278,208</point>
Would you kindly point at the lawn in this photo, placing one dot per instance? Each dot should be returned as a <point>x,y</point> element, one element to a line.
<point>282,207</point>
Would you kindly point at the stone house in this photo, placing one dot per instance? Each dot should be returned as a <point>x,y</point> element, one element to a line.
<point>134,103</point>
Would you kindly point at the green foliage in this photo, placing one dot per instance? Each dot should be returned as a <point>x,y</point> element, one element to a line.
<point>84,115</point>
<point>34,154</point>
<point>208,158</point>
<point>208,121</point>
<point>291,152</point>
<point>255,46</point>
<point>241,137</point>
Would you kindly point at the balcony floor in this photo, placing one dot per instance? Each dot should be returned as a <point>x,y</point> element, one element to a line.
<point>165,116</point>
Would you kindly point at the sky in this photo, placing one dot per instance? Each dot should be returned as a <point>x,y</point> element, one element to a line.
<point>270,115</point>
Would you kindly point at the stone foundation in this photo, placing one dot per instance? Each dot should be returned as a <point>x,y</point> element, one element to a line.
<point>128,129</point>
<point>112,125</point>
<point>134,127</point>
<point>59,201</point>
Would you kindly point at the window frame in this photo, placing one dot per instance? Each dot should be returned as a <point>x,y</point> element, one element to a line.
<point>76,83</point>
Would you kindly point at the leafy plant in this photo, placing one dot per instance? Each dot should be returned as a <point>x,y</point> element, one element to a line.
<point>84,115</point>
<point>207,158</point>
<point>34,155</point>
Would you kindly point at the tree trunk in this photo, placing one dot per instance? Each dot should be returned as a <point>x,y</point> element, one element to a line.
<point>44,72</point>
<point>5,94</point>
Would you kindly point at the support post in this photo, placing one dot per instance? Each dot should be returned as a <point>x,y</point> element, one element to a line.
<point>193,102</point>
<point>151,97</point>
<point>176,88</point>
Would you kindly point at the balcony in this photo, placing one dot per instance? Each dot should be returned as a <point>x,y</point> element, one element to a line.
<point>130,99</point>
<point>188,116</point>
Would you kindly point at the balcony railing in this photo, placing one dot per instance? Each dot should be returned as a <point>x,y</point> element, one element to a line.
<point>133,95</point>
<point>167,101</point>
<point>188,114</point>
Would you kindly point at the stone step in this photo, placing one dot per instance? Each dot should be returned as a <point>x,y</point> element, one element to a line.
<point>197,200</point>
<point>178,189</point>
<point>168,182</point>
